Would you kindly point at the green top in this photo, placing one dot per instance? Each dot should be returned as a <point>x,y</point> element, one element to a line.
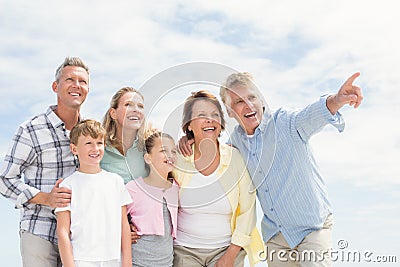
<point>129,167</point>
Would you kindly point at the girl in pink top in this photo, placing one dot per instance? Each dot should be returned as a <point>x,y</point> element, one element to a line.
<point>155,204</point>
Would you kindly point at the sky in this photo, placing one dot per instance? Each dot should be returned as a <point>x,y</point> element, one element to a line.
<point>296,50</point>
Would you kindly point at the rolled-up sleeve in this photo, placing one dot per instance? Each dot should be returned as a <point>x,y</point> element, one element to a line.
<point>19,156</point>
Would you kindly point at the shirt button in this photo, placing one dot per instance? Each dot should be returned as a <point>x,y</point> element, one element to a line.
<point>272,209</point>
<point>280,226</point>
<point>254,154</point>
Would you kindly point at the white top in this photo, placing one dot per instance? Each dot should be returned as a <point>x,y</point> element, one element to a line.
<point>205,214</point>
<point>96,214</point>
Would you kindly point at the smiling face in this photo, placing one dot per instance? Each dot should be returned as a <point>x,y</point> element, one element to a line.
<point>90,151</point>
<point>72,87</point>
<point>129,115</point>
<point>205,121</point>
<point>246,106</point>
<point>162,156</point>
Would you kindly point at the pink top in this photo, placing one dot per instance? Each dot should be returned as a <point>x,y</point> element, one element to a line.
<point>146,209</point>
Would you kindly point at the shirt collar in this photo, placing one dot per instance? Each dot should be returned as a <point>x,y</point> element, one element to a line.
<point>266,118</point>
<point>116,151</point>
<point>53,118</point>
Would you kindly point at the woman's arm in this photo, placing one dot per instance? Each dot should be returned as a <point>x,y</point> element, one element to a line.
<point>245,215</point>
<point>229,257</point>
<point>125,240</point>
<point>64,241</point>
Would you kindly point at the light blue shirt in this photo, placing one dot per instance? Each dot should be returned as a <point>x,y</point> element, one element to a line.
<point>128,167</point>
<point>289,185</point>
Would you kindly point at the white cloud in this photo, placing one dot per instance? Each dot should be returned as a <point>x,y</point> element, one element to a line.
<point>126,43</point>
<point>297,50</point>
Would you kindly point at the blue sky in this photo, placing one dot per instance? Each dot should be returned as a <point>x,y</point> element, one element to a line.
<point>296,50</point>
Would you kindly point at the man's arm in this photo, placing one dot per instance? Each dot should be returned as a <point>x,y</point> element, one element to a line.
<point>348,94</point>
<point>58,197</point>
<point>64,241</point>
<point>185,146</point>
<point>18,159</point>
<point>311,119</point>
<point>21,156</point>
<point>246,218</point>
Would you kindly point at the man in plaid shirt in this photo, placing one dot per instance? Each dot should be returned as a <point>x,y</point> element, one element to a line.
<point>40,152</point>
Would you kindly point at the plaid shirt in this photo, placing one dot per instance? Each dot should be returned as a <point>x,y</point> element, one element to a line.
<point>40,153</point>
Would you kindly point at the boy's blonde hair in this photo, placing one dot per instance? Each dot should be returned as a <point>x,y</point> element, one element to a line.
<point>85,128</point>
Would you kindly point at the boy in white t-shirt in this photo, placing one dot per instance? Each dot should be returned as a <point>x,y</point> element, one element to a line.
<point>93,229</point>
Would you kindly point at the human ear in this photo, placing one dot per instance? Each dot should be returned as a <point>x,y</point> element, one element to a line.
<point>230,113</point>
<point>54,86</point>
<point>146,158</point>
<point>112,113</point>
<point>74,150</point>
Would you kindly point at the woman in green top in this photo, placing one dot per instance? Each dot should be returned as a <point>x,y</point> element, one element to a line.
<point>125,125</point>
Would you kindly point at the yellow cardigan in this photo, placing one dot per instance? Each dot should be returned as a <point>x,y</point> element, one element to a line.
<point>237,184</point>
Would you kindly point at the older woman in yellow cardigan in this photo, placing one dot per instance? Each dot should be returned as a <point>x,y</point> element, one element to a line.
<point>217,214</point>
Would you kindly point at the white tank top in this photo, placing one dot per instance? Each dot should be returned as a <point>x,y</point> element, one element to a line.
<point>204,219</point>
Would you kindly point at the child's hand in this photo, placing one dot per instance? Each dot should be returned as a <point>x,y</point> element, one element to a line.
<point>134,234</point>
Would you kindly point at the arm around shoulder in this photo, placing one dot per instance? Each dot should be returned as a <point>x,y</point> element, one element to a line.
<point>58,197</point>
<point>18,158</point>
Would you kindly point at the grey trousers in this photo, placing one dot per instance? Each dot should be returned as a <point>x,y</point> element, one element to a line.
<point>38,252</point>
<point>196,257</point>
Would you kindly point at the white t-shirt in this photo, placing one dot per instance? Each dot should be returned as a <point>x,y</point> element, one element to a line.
<point>204,217</point>
<point>95,208</point>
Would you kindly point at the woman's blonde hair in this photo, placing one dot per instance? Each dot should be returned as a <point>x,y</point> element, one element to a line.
<point>111,127</point>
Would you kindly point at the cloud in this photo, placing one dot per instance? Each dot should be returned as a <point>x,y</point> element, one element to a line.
<point>296,50</point>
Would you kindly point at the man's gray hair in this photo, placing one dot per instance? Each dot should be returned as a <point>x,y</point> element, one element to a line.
<point>239,78</point>
<point>70,61</point>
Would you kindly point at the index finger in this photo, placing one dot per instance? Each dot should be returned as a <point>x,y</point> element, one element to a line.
<point>351,79</point>
<point>64,190</point>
